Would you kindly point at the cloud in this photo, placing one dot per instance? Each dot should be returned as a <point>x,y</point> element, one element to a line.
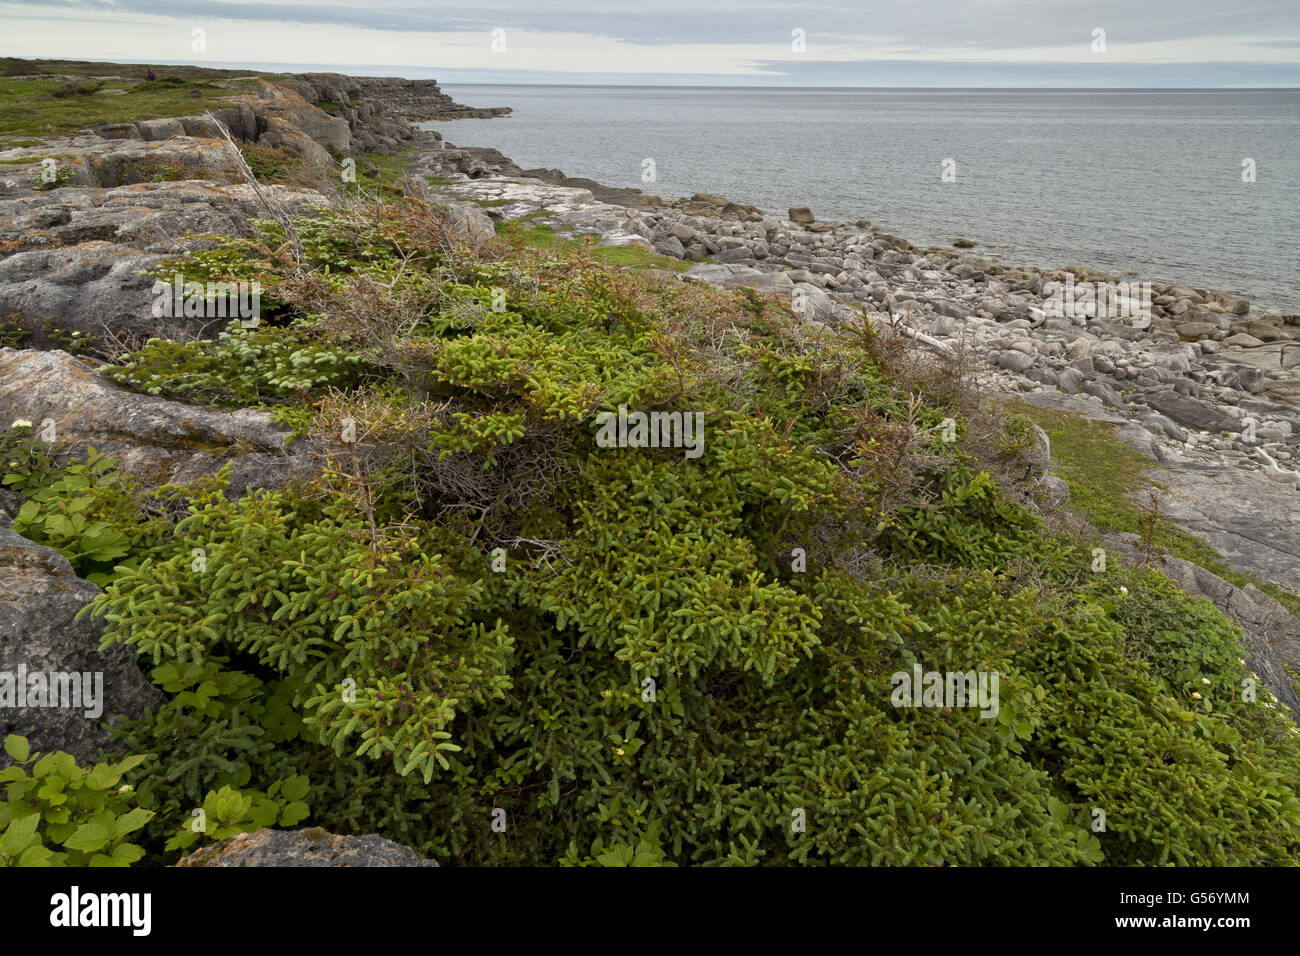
<point>978,24</point>
<point>847,43</point>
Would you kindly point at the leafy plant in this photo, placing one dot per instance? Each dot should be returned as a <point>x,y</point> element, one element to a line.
<point>228,812</point>
<point>85,510</point>
<point>59,814</point>
<point>46,180</point>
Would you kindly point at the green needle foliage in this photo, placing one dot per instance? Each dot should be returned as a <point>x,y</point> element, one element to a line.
<point>241,367</point>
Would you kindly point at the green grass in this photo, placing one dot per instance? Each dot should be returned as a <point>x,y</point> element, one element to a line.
<point>1103,474</point>
<point>1101,470</point>
<point>391,167</point>
<point>542,236</point>
<point>40,108</point>
<point>380,172</point>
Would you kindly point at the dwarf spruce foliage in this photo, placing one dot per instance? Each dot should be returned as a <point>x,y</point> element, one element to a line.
<point>240,367</point>
<point>480,633</point>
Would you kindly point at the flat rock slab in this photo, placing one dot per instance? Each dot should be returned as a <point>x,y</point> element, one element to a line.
<point>1086,405</point>
<point>1191,413</point>
<point>74,258</point>
<point>1255,522</point>
<point>154,439</point>
<point>520,198</point>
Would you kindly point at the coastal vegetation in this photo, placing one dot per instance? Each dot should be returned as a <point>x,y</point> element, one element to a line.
<point>482,635</point>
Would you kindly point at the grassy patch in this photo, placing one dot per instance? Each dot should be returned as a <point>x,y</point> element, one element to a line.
<point>17,66</point>
<point>380,172</point>
<point>1101,470</point>
<point>53,107</point>
<point>169,173</point>
<point>542,236</point>
<point>1103,474</point>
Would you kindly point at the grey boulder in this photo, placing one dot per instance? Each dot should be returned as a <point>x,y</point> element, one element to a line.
<point>39,598</point>
<point>312,846</point>
<point>154,439</point>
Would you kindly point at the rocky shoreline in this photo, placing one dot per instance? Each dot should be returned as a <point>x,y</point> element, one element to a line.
<point>1201,384</point>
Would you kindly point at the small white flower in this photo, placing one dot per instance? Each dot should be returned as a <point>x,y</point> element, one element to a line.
<point>1205,680</point>
<point>1123,590</point>
<point>1196,696</point>
<point>21,423</point>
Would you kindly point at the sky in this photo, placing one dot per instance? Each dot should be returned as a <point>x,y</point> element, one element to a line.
<point>909,43</point>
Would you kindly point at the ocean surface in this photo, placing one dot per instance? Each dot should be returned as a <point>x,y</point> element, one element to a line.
<point>1148,183</point>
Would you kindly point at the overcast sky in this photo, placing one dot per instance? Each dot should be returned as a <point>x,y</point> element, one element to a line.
<point>1147,43</point>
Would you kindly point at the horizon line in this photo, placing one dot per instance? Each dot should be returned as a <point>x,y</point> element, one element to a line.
<point>265,67</point>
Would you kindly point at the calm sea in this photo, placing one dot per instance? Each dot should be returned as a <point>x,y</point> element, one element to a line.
<point>1150,182</point>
